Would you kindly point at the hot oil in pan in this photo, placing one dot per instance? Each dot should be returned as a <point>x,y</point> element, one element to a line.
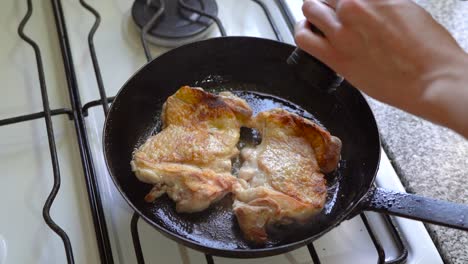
<point>217,226</point>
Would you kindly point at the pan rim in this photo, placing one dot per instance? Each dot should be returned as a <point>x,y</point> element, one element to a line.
<point>224,252</point>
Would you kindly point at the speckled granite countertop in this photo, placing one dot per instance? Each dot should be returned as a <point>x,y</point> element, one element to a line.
<point>432,160</point>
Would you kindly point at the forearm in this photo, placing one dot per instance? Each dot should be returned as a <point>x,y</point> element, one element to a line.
<point>445,99</point>
<point>438,94</point>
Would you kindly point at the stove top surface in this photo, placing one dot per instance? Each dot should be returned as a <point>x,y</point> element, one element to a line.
<point>25,155</point>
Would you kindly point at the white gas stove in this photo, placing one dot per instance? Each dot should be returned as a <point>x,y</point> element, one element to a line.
<point>27,168</point>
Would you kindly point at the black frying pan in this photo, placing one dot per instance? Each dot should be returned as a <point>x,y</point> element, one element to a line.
<point>253,67</point>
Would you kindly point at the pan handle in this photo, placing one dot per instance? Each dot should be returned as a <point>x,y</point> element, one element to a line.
<point>417,207</point>
<point>312,71</point>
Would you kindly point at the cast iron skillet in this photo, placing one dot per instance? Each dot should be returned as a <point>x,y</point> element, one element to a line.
<point>258,65</point>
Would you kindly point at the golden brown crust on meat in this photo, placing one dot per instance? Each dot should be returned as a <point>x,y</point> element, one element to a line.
<point>195,107</point>
<point>327,147</point>
<point>282,179</point>
<point>193,189</point>
<point>190,159</point>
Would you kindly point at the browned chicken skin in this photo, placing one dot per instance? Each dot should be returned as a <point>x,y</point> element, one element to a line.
<point>282,179</point>
<point>190,159</point>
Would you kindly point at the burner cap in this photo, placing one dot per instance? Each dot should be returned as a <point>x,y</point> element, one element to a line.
<point>176,26</point>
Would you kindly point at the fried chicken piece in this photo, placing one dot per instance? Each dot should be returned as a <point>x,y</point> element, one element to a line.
<point>190,159</point>
<point>282,179</point>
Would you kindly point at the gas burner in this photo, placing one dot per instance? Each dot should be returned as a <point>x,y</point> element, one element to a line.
<point>177,25</point>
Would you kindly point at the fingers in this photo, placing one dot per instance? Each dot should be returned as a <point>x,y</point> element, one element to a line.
<point>312,43</point>
<point>329,3</point>
<point>322,15</point>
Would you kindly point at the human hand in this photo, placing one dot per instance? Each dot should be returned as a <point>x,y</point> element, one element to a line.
<point>393,50</point>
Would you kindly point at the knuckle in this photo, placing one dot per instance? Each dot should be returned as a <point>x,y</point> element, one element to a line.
<point>301,33</point>
<point>300,37</point>
<point>350,7</point>
<point>307,7</point>
<point>351,12</point>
